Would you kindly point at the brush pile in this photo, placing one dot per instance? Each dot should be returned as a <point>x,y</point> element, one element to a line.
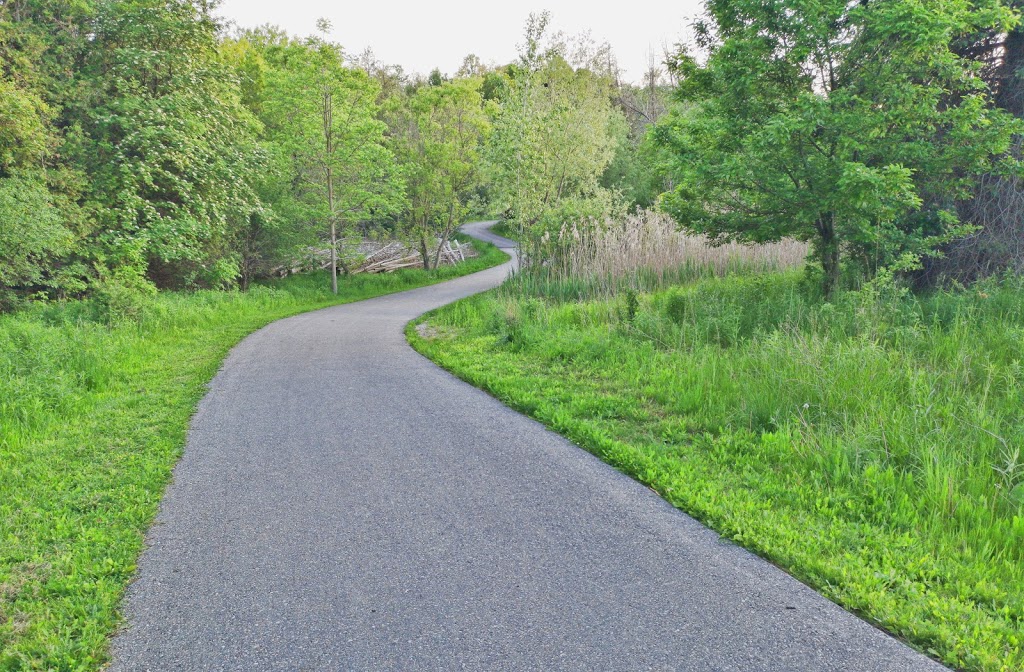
<point>370,256</point>
<point>397,255</point>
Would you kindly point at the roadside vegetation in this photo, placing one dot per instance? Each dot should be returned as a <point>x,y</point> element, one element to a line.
<point>778,279</point>
<point>820,354</point>
<point>95,400</point>
<point>869,445</point>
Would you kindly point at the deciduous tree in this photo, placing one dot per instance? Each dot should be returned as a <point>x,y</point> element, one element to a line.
<point>171,152</point>
<point>438,135</point>
<point>852,125</point>
<point>325,116</point>
<point>554,133</point>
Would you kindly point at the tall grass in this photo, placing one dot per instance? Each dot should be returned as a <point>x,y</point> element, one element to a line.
<point>640,252</point>
<point>871,445</point>
<point>95,400</point>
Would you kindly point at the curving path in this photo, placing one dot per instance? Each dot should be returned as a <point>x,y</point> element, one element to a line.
<point>343,504</point>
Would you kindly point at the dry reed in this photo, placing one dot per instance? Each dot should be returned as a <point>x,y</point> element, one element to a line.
<point>645,251</point>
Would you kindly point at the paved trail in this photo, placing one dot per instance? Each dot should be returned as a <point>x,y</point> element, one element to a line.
<point>343,504</point>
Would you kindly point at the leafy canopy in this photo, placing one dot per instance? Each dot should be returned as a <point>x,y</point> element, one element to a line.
<point>172,154</point>
<point>555,133</point>
<point>854,126</point>
<point>438,134</point>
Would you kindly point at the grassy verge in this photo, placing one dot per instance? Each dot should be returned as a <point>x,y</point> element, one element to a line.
<point>870,446</point>
<point>505,230</point>
<point>93,418</point>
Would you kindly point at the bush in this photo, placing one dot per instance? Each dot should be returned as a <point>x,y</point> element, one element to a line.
<point>122,295</point>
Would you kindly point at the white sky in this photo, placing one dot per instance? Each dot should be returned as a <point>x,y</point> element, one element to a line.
<point>423,35</point>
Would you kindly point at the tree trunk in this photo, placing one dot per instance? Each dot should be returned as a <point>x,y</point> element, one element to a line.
<point>1010,95</point>
<point>437,253</point>
<point>328,110</point>
<point>446,235</point>
<point>424,252</point>
<point>334,231</point>
<point>828,252</point>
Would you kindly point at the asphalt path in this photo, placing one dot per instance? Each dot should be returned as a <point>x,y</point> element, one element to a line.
<point>344,504</point>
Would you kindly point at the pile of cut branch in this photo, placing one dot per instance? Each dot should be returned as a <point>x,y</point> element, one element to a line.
<point>379,257</point>
<point>395,256</point>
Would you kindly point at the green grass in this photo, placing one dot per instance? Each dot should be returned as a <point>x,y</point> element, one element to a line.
<point>93,417</point>
<point>505,230</point>
<point>871,446</point>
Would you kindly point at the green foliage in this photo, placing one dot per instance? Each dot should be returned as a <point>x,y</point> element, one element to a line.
<point>163,144</point>
<point>172,155</point>
<point>639,171</point>
<point>868,445</point>
<point>41,43</point>
<point>554,134</point>
<point>438,134</point>
<point>95,401</point>
<point>25,138</point>
<point>33,219</point>
<point>365,178</point>
<point>32,232</point>
<point>123,293</point>
<point>333,169</point>
<point>854,126</point>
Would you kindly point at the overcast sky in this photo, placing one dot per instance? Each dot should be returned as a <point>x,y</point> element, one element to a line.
<point>423,35</point>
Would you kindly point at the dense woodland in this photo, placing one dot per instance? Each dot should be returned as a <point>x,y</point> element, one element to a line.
<point>146,144</point>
